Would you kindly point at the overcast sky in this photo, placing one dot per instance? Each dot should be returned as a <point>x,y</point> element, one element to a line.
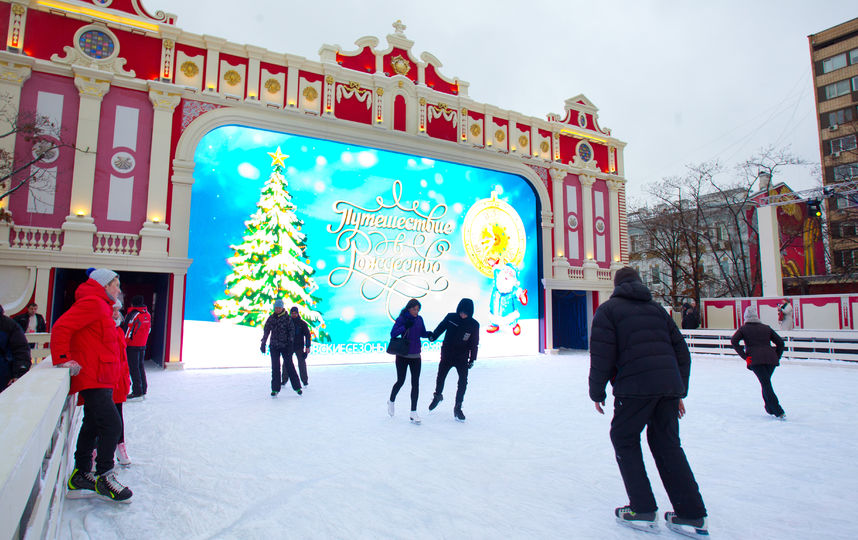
<point>680,82</point>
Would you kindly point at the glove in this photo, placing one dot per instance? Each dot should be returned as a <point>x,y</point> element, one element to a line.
<point>432,336</point>
<point>74,367</point>
<point>470,364</point>
<point>262,348</point>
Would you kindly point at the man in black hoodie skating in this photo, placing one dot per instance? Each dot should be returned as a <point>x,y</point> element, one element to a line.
<point>636,346</point>
<point>459,350</point>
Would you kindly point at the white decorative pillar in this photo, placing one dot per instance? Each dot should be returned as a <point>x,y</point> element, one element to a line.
<point>589,264</point>
<point>560,261</point>
<point>154,234</point>
<point>330,83</point>
<point>177,317</point>
<point>255,55</point>
<point>79,226</point>
<point>17,28</point>
<point>14,71</point>
<point>213,45</point>
<point>292,87</point>
<point>614,187</point>
<point>547,226</point>
<point>378,116</point>
<point>770,253</point>
<point>180,208</point>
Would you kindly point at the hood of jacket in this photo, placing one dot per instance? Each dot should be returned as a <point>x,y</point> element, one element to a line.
<point>633,290</point>
<point>466,306</point>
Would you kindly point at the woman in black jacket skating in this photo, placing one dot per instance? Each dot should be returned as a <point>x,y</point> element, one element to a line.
<point>410,323</point>
<point>760,356</point>
<point>459,350</point>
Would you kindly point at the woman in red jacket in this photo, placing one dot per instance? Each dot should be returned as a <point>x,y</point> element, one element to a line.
<point>85,339</point>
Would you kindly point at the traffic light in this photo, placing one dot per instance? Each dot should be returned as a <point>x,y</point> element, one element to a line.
<point>814,208</point>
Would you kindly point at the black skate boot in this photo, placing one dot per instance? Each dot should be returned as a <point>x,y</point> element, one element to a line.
<point>642,521</point>
<point>109,487</point>
<point>436,399</point>
<point>81,485</point>
<point>693,528</point>
<point>457,412</point>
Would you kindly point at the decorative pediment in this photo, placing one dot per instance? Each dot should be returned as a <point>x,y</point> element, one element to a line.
<point>135,8</point>
<point>95,46</point>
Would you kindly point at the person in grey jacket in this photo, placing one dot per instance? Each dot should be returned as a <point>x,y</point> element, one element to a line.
<point>761,356</point>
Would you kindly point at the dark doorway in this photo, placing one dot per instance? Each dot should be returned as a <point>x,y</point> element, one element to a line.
<point>569,312</point>
<point>151,286</point>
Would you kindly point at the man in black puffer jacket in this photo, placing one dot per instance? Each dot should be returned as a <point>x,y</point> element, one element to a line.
<point>636,345</point>
<point>458,350</point>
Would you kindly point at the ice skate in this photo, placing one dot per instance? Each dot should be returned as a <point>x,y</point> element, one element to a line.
<point>460,416</point>
<point>436,399</point>
<point>693,528</point>
<point>122,455</point>
<point>81,485</point>
<point>390,409</point>
<point>109,487</point>
<point>274,393</point>
<point>415,418</point>
<point>641,521</point>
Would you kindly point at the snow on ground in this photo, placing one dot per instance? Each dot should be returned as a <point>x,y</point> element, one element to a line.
<point>215,457</point>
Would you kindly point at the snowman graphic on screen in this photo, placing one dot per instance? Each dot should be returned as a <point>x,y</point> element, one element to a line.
<point>494,240</point>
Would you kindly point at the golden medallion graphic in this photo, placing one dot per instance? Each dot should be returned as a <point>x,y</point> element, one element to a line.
<point>493,232</point>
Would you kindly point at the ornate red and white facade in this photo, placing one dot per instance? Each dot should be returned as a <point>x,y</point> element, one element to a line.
<point>136,94</point>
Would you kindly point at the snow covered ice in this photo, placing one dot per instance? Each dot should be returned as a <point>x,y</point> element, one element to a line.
<point>214,456</point>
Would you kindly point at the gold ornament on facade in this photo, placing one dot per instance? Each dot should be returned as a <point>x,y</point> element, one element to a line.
<point>329,79</point>
<point>442,106</point>
<point>354,85</point>
<point>189,68</point>
<point>464,111</point>
<point>18,9</point>
<point>400,65</point>
<point>499,135</point>
<point>475,130</point>
<point>272,85</point>
<point>544,146</point>
<point>422,101</point>
<point>232,77</point>
<point>400,84</point>
<point>522,141</point>
<point>380,91</point>
<point>310,93</point>
<point>169,44</point>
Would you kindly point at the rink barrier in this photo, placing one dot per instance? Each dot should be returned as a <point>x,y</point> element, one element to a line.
<point>37,418</point>
<point>799,344</point>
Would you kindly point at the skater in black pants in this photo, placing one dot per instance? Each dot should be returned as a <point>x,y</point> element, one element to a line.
<point>279,325</point>
<point>636,346</point>
<point>301,344</point>
<point>459,350</point>
<point>760,356</point>
<point>411,325</point>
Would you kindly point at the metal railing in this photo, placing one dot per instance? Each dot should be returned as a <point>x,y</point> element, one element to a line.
<point>800,344</point>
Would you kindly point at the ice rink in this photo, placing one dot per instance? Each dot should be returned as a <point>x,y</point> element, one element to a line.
<point>214,456</point>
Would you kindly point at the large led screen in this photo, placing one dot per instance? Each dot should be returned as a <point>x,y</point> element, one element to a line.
<point>349,234</point>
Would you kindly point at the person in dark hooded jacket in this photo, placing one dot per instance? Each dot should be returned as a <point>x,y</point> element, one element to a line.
<point>458,350</point>
<point>636,346</point>
<point>760,357</point>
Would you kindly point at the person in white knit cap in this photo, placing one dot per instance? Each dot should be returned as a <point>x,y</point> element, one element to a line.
<point>760,356</point>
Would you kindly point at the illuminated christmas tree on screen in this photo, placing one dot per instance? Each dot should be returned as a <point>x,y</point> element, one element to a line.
<point>271,262</point>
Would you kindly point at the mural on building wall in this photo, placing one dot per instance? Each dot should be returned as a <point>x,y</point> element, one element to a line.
<point>349,234</point>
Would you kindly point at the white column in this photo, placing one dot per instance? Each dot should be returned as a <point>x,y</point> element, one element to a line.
<point>614,187</point>
<point>560,261</point>
<point>547,226</point>
<point>14,71</point>
<point>213,46</point>
<point>79,226</point>
<point>770,253</point>
<point>589,265</point>
<point>154,234</point>
<point>177,319</point>
<point>292,87</point>
<point>180,209</point>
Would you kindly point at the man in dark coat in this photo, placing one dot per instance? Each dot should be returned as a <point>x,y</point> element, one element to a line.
<point>458,350</point>
<point>690,315</point>
<point>302,342</point>
<point>760,357</point>
<point>636,346</point>
<point>279,326</point>
<point>30,321</point>
<point>14,351</point>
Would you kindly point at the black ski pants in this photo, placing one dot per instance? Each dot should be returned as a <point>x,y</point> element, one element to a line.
<point>403,364</point>
<point>136,369</point>
<point>660,415</point>
<point>301,356</point>
<point>100,430</point>
<point>764,374</point>
<point>286,354</point>
<point>447,363</point>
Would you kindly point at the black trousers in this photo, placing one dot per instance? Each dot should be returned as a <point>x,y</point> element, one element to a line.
<point>764,374</point>
<point>136,369</point>
<point>301,356</point>
<point>444,367</point>
<point>403,364</point>
<point>660,415</point>
<point>100,430</point>
<point>286,354</point>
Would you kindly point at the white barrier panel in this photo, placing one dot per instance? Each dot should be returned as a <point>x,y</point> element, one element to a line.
<point>36,420</point>
<point>800,344</point>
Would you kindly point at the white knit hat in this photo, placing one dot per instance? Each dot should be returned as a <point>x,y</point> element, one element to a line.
<point>103,276</point>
